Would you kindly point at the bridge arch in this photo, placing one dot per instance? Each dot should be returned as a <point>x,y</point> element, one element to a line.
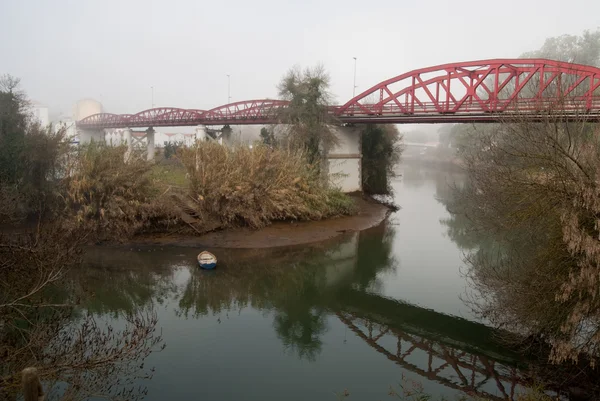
<point>102,120</point>
<point>484,86</point>
<point>164,117</point>
<point>245,112</point>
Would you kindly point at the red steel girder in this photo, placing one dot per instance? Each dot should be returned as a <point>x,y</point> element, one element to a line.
<point>486,86</point>
<point>259,111</point>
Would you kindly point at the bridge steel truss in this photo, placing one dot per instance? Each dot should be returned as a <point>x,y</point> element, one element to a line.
<point>476,91</point>
<point>452,367</point>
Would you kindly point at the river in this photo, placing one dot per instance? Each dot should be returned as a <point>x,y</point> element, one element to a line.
<point>359,315</point>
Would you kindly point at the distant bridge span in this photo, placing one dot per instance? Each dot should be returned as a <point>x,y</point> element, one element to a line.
<point>476,91</point>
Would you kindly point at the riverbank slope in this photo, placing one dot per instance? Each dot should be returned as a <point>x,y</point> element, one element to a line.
<point>370,213</point>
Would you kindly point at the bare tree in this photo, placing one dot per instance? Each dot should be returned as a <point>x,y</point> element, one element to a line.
<point>534,187</point>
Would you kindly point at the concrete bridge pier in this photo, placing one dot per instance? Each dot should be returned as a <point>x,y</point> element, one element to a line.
<point>129,142</point>
<point>226,136</point>
<point>137,141</point>
<point>201,133</point>
<point>87,136</point>
<point>128,139</point>
<point>150,143</point>
<point>344,161</point>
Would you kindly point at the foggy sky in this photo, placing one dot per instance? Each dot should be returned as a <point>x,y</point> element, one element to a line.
<point>114,51</point>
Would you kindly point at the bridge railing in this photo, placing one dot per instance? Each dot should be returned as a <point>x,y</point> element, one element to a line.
<point>582,105</point>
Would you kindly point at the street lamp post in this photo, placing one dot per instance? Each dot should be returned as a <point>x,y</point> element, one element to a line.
<point>152,87</point>
<point>228,89</point>
<point>354,85</point>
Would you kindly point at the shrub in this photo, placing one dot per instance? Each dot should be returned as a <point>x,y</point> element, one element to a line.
<point>171,148</point>
<point>381,152</point>
<point>108,195</point>
<point>252,187</point>
<point>30,157</point>
<point>267,136</point>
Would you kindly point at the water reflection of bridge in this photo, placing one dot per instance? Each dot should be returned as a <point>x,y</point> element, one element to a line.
<point>456,369</point>
<point>437,351</point>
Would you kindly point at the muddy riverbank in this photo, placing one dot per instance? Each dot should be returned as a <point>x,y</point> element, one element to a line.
<point>370,213</point>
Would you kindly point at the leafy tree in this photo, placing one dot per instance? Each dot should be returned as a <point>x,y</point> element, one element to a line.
<point>38,322</point>
<point>29,156</point>
<point>584,49</point>
<point>13,127</point>
<point>171,148</point>
<point>267,136</point>
<point>307,116</point>
<point>381,152</point>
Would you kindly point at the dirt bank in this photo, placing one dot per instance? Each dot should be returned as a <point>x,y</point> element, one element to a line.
<point>370,214</point>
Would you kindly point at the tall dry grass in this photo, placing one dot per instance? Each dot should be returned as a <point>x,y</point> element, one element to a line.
<point>255,186</point>
<point>109,197</point>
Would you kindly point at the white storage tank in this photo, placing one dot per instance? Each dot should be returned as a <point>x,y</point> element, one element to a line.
<point>85,108</point>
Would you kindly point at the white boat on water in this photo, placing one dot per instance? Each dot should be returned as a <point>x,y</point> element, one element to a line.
<point>207,260</point>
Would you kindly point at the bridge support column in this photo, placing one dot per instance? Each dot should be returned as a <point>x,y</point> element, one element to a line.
<point>344,161</point>
<point>226,136</point>
<point>201,134</point>
<point>87,136</point>
<point>150,143</point>
<point>129,142</point>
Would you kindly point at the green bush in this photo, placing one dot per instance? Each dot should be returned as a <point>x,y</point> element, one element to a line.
<point>30,158</point>
<point>381,152</point>
<point>171,148</point>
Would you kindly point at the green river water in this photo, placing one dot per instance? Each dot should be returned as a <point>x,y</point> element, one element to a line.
<point>361,313</point>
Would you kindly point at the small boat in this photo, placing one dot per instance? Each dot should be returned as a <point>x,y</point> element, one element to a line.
<point>207,260</point>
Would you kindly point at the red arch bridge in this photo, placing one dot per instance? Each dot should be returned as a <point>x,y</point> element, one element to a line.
<point>477,91</point>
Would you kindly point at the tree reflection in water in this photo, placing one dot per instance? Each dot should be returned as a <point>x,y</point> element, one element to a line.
<point>514,271</point>
<point>291,283</point>
<point>302,288</point>
<point>146,280</point>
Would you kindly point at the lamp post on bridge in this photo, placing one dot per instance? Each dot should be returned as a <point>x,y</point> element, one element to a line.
<point>152,87</point>
<point>228,89</point>
<point>354,84</point>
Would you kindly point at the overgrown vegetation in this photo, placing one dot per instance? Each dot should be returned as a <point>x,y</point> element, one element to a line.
<point>533,187</point>
<point>40,241</point>
<point>171,148</point>
<point>533,203</point>
<point>267,136</point>
<point>29,157</point>
<point>253,187</point>
<point>56,198</point>
<point>381,151</point>
<point>110,197</point>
